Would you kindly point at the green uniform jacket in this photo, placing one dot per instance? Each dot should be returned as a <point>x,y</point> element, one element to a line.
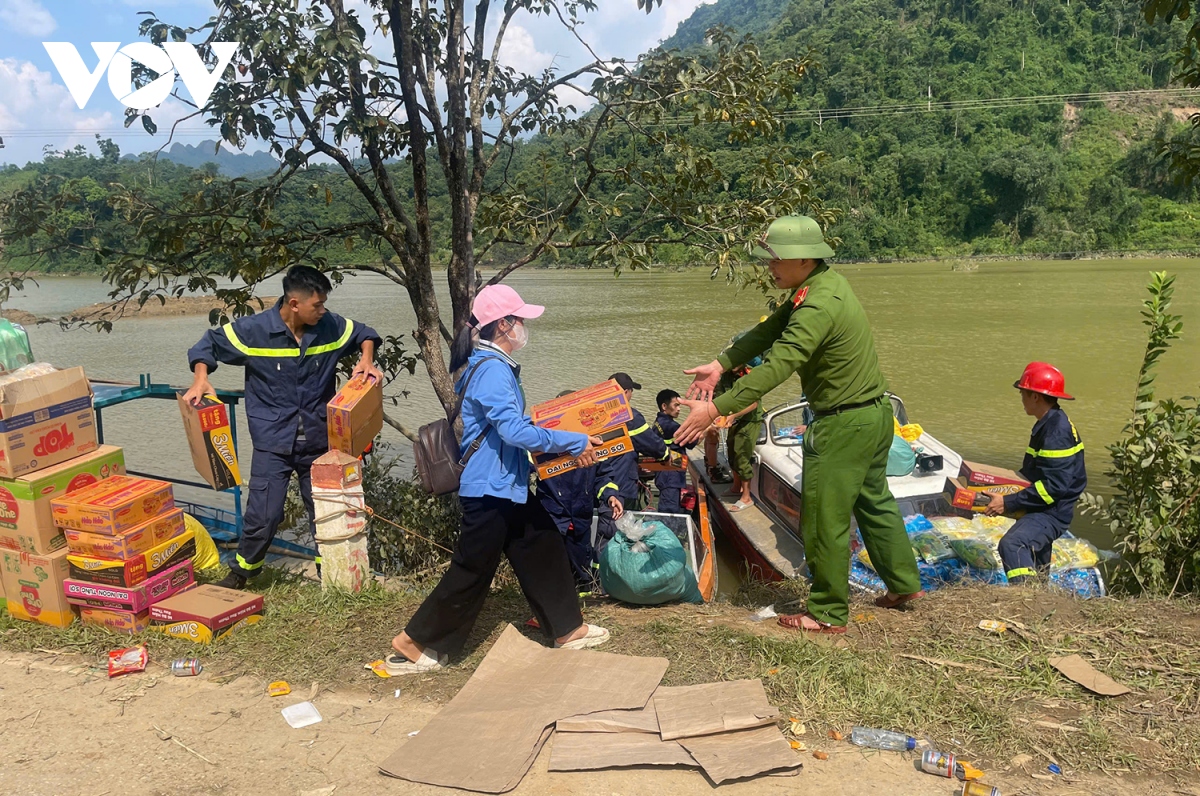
<point>823,335</point>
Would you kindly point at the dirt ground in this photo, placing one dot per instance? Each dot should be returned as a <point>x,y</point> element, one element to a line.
<point>68,730</point>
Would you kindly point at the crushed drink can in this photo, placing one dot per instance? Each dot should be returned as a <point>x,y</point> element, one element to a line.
<point>938,763</point>
<point>979,789</point>
<point>186,667</point>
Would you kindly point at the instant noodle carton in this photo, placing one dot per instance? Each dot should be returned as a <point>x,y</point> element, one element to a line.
<point>163,528</point>
<point>987,475</point>
<point>26,518</point>
<point>132,599</point>
<point>33,585</point>
<point>206,613</point>
<point>119,504</point>
<point>109,571</point>
<point>210,438</point>
<point>601,410</point>
<point>355,416</point>
<point>117,621</point>
<point>171,552</point>
<point>45,420</point>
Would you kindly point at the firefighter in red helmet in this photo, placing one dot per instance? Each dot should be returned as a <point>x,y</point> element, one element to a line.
<point>1054,466</point>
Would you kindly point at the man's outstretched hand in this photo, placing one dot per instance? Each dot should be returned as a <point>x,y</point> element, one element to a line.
<point>701,415</point>
<point>705,381</point>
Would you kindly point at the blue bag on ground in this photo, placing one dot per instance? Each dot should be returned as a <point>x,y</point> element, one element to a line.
<point>901,458</point>
<point>648,566</point>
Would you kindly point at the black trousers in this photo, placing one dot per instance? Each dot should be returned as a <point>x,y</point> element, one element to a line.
<point>525,534</point>
<point>270,474</point>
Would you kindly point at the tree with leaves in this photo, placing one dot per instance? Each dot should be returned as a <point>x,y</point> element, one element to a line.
<point>411,98</point>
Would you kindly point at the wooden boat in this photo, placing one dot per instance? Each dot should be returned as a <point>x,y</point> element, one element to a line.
<point>694,529</point>
<point>767,534</point>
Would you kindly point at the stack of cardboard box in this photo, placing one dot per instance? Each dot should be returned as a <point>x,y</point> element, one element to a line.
<point>48,448</point>
<point>128,549</point>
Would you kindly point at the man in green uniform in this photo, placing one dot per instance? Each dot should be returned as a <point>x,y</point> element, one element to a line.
<point>822,333</point>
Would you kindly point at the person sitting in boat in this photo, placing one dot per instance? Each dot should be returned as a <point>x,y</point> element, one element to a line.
<point>670,483</point>
<point>570,500</point>
<point>1054,466</point>
<point>623,470</point>
<point>743,433</point>
<point>821,333</point>
<point>290,354</point>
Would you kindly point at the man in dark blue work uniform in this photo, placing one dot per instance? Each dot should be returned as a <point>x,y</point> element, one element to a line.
<point>290,353</point>
<point>670,483</point>
<point>622,478</point>
<point>1054,465</point>
<point>570,500</point>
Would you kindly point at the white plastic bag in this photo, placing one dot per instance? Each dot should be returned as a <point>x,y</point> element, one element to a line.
<point>635,530</point>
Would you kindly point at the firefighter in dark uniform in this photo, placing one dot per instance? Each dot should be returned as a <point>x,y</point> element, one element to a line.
<point>670,483</point>
<point>1054,466</point>
<point>290,353</point>
<point>570,500</point>
<point>622,478</point>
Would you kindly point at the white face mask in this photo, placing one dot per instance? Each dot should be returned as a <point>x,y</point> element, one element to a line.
<point>518,336</point>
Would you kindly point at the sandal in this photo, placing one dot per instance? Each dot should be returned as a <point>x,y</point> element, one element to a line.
<point>396,664</point>
<point>795,622</point>
<point>898,601</point>
<point>741,505</point>
<point>595,636</point>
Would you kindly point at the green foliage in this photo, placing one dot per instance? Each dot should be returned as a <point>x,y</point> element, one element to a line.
<point>1155,514</point>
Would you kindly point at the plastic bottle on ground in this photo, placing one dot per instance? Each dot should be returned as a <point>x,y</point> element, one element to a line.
<point>882,739</point>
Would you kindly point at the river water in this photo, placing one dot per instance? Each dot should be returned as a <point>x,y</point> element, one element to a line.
<point>951,345</point>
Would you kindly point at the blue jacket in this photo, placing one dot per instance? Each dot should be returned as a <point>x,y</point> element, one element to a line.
<point>623,470</point>
<point>1054,463</point>
<point>494,406</point>
<point>286,384</point>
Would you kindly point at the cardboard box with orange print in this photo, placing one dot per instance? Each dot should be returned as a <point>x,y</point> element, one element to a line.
<point>116,621</point>
<point>130,543</point>
<point>26,519</point>
<point>111,507</point>
<point>600,411</point>
<point>45,420</point>
<point>355,416</point>
<point>210,438</point>
<point>33,585</point>
<point>986,475</point>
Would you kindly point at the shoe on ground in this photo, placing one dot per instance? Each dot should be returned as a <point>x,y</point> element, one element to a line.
<point>396,664</point>
<point>233,580</point>
<point>594,637</point>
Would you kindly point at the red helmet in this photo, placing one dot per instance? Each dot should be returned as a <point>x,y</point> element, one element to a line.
<point>1044,378</point>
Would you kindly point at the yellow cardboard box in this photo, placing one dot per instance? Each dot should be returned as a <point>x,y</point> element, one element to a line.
<point>355,416</point>
<point>210,438</point>
<point>601,410</point>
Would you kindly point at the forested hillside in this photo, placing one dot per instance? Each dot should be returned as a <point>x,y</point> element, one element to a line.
<point>947,127</point>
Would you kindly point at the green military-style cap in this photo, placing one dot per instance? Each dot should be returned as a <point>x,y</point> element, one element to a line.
<point>793,238</point>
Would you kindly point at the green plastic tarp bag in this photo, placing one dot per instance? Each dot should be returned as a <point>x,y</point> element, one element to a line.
<point>901,458</point>
<point>651,570</point>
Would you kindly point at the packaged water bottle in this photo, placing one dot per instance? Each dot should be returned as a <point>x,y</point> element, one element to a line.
<point>882,739</point>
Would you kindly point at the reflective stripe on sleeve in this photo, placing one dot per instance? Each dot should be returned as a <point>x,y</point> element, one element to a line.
<point>341,341</point>
<point>1056,454</point>
<point>633,432</point>
<point>1041,490</point>
<point>250,351</point>
<point>600,494</point>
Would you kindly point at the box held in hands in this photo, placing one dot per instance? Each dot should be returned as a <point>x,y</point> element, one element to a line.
<point>355,416</point>
<point>210,438</point>
<point>45,420</point>
<point>601,410</point>
<point>987,475</point>
<point>26,518</point>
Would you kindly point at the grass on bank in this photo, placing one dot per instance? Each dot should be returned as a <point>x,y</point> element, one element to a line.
<point>929,671</point>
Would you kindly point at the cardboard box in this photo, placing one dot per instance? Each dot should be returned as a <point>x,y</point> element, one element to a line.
<point>210,437</point>
<point>26,519</point>
<point>355,416</point>
<point>206,613</point>
<point>336,470</point>
<point>987,475</point>
<point>963,496</point>
<point>601,410</point>
<point>44,421</point>
<point>162,528</point>
<point>134,599</point>
<point>33,585</point>
<point>117,621</point>
<point>170,553</point>
<point>109,571</point>
<point>110,507</point>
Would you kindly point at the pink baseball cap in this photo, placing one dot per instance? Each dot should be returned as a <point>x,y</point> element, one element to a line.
<point>499,301</point>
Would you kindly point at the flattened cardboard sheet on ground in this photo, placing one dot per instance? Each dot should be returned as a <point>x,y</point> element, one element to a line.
<point>694,710</point>
<point>488,736</point>
<point>741,754</point>
<point>1079,670</point>
<point>588,751</point>
<point>635,721</point>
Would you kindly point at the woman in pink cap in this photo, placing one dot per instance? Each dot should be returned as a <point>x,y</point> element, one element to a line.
<point>499,514</point>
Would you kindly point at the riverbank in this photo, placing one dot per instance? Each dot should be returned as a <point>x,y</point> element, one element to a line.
<point>992,699</point>
<point>173,306</point>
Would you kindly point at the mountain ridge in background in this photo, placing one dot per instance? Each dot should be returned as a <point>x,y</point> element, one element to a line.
<point>229,164</point>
